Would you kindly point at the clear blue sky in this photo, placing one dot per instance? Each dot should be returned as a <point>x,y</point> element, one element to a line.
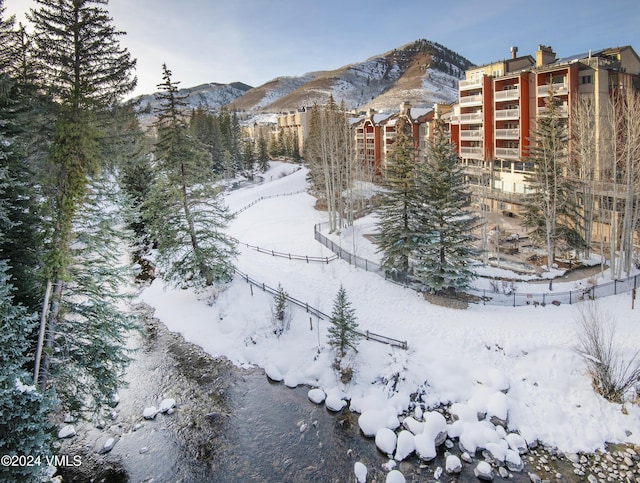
<point>254,41</point>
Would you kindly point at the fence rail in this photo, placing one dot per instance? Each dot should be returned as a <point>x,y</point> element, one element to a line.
<point>519,299</point>
<point>321,315</point>
<point>491,297</point>
<point>257,200</point>
<point>290,256</point>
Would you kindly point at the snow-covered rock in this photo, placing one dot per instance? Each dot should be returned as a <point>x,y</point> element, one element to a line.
<point>371,421</point>
<point>273,373</point>
<point>498,408</point>
<point>516,442</point>
<point>108,445</point>
<point>291,380</point>
<point>497,451</point>
<point>360,470</point>
<point>335,403</point>
<point>405,445</point>
<point>150,412</point>
<point>386,441</point>
<point>453,465</point>
<point>316,396</point>
<point>483,471</point>
<point>416,427</point>
<point>513,461</point>
<point>394,476</point>
<point>425,446</point>
<point>436,426</point>
<point>166,405</point>
<point>67,431</point>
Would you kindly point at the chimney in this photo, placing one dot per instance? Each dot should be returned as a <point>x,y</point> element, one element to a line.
<point>514,52</point>
<point>405,108</point>
<point>544,55</point>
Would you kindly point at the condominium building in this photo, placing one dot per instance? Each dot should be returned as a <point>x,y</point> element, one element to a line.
<point>499,104</point>
<point>375,133</point>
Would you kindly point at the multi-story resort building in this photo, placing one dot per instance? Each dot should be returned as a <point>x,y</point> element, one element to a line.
<point>376,132</point>
<point>499,104</point>
<point>496,116</point>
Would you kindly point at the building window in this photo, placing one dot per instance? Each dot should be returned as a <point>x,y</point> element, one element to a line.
<point>585,79</point>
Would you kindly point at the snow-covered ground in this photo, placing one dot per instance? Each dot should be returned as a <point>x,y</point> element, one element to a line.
<point>517,364</point>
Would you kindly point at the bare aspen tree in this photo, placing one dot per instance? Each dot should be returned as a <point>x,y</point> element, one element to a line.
<point>624,147</point>
<point>583,167</point>
<point>329,154</point>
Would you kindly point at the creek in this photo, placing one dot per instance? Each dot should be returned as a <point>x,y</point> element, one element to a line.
<point>230,425</point>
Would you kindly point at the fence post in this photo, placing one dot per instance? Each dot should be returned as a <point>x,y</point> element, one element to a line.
<point>569,297</point>
<point>514,298</point>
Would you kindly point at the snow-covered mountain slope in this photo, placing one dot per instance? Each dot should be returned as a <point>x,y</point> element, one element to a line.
<point>210,96</point>
<point>421,73</point>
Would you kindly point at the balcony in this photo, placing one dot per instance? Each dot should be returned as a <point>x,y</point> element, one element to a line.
<point>508,133</point>
<point>507,95</point>
<point>558,89</point>
<point>508,153</point>
<point>471,118</point>
<point>563,111</point>
<point>469,100</point>
<point>471,135</point>
<point>465,85</point>
<point>466,152</point>
<point>503,114</point>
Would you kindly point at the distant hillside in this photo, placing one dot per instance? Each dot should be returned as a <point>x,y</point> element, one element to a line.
<point>421,73</point>
<point>209,96</point>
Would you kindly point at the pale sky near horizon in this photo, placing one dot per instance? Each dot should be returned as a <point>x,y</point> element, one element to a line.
<point>255,41</point>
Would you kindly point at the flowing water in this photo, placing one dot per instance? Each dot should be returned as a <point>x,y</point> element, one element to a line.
<point>229,425</point>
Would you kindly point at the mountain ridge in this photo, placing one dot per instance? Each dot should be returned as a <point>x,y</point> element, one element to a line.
<point>421,72</point>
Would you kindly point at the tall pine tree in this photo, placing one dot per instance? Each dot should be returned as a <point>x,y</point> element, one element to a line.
<point>342,331</point>
<point>186,214</point>
<point>23,408</point>
<point>443,225</point>
<point>89,352</point>
<point>395,226</point>
<point>84,68</point>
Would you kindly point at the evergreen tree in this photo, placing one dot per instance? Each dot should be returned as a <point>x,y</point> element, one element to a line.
<point>248,158</point>
<point>83,63</point>
<point>23,409</point>
<point>395,226</point>
<point>280,312</point>
<point>550,206</point>
<point>205,128</point>
<point>21,245</point>
<point>132,157</point>
<point>185,212</point>
<point>263,154</point>
<point>84,68</point>
<point>342,331</point>
<point>7,39</point>
<point>442,223</point>
<point>89,354</point>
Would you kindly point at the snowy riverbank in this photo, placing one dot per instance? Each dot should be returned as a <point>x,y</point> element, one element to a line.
<point>516,364</point>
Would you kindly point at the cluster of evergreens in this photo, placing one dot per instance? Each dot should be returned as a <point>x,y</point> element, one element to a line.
<point>425,227</point>
<point>82,186</point>
<point>230,152</point>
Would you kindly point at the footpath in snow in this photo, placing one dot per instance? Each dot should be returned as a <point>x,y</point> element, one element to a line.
<point>510,377</point>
